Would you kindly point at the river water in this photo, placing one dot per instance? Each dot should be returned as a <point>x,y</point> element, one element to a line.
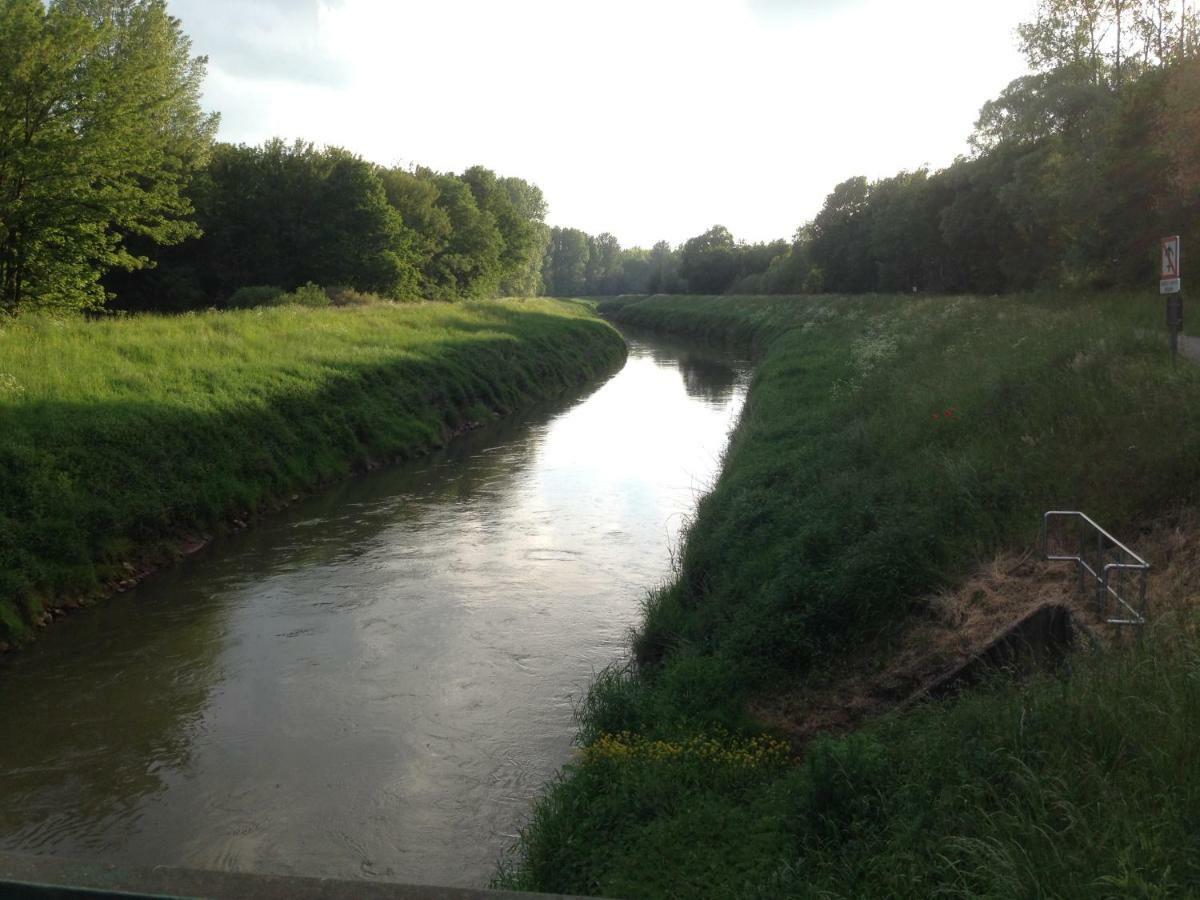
<point>377,681</point>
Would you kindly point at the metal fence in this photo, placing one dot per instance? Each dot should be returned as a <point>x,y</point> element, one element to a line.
<point>1117,575</point>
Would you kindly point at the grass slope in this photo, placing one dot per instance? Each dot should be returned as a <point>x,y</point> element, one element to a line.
<point>888,444</point>
<point>119,437</point>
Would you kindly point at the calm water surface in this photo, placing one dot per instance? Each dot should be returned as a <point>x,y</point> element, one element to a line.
<point>376,682</point>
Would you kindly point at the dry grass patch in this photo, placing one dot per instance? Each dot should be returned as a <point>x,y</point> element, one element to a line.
<point>900,668</point>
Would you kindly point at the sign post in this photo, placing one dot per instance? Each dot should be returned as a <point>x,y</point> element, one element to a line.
<point>1170,284</point>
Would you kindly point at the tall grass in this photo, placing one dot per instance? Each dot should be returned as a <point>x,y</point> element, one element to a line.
<point>1079,786</point>
<point>887,444</point>
<point>117,437</point>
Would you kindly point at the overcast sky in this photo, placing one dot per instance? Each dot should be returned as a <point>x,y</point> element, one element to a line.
<point>652,119</point>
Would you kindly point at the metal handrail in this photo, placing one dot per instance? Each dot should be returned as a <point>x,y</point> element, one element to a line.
<point>1124,612</point>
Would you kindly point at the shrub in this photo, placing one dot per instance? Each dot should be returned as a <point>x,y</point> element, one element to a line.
<point>255,295</point>
<point>341,295</point>
<point>309,294</point>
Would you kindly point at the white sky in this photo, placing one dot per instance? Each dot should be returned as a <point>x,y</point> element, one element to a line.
<point>652,119</point>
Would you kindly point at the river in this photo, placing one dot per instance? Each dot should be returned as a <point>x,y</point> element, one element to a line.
<point>377,681</point>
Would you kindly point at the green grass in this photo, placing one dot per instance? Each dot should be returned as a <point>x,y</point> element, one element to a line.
<point>888,444</point>
<point>118,437</point>
<point>1079,786</point>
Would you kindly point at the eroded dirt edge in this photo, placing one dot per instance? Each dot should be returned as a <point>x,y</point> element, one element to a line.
<point>961,625</point>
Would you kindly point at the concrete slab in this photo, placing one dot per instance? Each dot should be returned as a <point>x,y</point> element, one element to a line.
<point>52,878</point>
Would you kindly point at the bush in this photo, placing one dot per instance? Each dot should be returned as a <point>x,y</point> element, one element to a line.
<point>341,295</point>
<point>306,295</point>
<point>255,295</point>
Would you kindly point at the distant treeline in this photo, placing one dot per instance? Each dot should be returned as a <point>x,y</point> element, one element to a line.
<point>711,263</point>
<point>1077,169</point>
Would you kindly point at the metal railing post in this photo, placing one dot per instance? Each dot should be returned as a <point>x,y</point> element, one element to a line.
<point>1101,570</point>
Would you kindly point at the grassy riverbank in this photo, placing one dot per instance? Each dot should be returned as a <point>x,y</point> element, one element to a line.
<point>122,439</point>
<point>887,446</point>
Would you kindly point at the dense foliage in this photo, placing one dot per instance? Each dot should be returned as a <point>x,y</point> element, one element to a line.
<point>117,438</point>
<point>1079,168</point>
<point>284,215</point>
<point>100,131</point>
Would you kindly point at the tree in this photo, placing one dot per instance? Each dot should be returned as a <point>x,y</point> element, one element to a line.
<point>524,276</point>
<point>604,265</point>
<point>903,235</point>
<point>791,271</point>
<point>840,233</point>
<point>518,210</point>
<point>414,195</point>
<point>361,241</point>
<point>637,268</point>
<point>469,265</point>
<point>1178,129</point>
<point>664,270</point>
<point>287,214</point>
<point>1067,34</point>
<point>565,267</point>
<point>100,132</point>
<point>709,261</point>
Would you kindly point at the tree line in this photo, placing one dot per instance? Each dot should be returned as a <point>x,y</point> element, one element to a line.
<point>113,190</point>
<point>287,215</point>
<point>576,263</point>
<point>1076,170</point>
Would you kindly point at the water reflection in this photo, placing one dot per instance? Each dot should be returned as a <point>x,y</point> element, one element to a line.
<point>72,771</point>
<point>707,373</point>
<point>378,680</point>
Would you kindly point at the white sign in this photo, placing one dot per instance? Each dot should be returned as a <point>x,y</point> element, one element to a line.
<point>1169,281</point>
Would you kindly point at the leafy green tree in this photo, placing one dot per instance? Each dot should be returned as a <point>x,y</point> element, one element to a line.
<point>1178,127</point>
<point>1173,123</point>
<point>903,231</point>
<point>789,272</point>
<point>637,268</point>
<point>518,210</point>
<point>709,262</point>
<point>524,277</point>
<point>979,237</point>
<point>1067,34</point>
<point>100,131</point>
<point>840,235</point>
<point>414,195</point>
<point>469,265</point>
<point>565,267</point>
<point>363,242</point>
<point>287,214</point>
<point>664,270</point>
<point>604,265</point>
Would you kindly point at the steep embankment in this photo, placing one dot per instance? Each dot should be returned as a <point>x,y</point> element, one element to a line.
<point>887,447</point>
<point>122,441</point>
